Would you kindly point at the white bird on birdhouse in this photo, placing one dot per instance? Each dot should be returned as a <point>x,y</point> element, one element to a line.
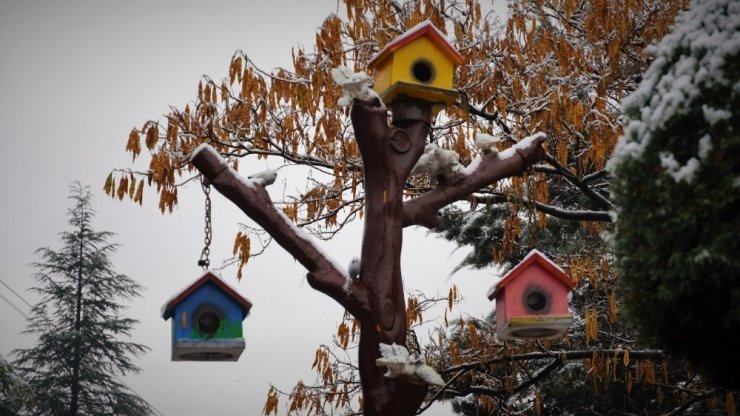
<point>264,178</point>
<point>354,267</point>
<point>486,142</point>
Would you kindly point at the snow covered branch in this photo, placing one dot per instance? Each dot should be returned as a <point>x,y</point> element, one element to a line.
<point>488,168</point>
<point>250,196</point>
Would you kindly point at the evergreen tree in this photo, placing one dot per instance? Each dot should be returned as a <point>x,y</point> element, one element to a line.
<point>677,191</point>
<point>74,366</point>
<point>15,393</point>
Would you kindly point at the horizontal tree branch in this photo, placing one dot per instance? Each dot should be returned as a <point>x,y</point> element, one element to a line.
<point>583,186</point>
<point>557,212</point>
<point>565,355</point>
<point>491,167</point>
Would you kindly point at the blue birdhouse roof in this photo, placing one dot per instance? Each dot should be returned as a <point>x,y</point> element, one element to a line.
<point>169,307</point>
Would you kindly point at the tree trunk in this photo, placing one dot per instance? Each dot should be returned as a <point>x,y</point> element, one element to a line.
<point>75,388</point>
<point>388,154</point>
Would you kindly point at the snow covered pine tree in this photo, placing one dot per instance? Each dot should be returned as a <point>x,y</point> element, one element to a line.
<point>677,189</point>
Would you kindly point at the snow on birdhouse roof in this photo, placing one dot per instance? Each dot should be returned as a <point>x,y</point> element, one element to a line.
<point>534,256</point>
<point>425,28</point>
<point>169,306</point>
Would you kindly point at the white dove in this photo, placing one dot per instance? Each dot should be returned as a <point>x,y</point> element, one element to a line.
<point>485,142</point>
<point>436,161</point>
<point>264,178</point>
<point>400,364</point>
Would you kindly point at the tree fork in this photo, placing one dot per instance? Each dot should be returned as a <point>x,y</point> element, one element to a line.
<point>376,299</point>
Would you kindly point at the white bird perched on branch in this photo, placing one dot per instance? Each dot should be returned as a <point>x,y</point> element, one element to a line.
<point>436,161</point>
<point>354,267</point>
<point>485,142</point>
<point>400,364</point>
<point>264,178</point>
<point>354,85</point>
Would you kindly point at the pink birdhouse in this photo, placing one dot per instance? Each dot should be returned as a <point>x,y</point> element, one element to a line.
<point>532,299</point>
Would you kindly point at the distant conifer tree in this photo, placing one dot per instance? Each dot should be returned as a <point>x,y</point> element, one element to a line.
<point>75,364</point>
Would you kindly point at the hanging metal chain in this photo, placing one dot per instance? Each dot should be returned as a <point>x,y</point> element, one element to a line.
<point>204,262</point>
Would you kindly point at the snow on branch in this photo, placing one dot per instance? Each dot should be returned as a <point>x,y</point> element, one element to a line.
<point>484,170</point>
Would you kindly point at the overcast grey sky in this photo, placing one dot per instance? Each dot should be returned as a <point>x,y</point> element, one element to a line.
<point>75,77</point>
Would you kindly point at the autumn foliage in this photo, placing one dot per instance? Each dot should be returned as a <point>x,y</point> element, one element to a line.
<point>558,66</point>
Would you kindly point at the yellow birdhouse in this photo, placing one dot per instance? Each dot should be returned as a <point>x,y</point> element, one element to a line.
<point>420,63</point>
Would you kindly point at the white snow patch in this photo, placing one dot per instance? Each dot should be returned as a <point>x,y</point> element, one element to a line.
<point>485,141</point>
<point>525,143</point>
<point>470,220</point>
<point>702,256</point>
<point>472,166</point>
<point>264,178</point>
<point>534,251</point>
<point>204,147</point>
<point>400,364</point>
<point>679,173</point>
<point>714,115</point>
<point>705,146</point>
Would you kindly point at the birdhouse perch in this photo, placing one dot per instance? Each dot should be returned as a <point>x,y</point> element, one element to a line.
<point>532,299</point>
<point>207,320</point>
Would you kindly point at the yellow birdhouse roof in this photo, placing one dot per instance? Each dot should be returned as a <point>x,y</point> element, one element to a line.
<point>425,28</point>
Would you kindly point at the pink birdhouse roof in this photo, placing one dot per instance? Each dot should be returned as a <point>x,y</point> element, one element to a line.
<point>425,28</point>
<point>534,256</point>
<point>169,307</point>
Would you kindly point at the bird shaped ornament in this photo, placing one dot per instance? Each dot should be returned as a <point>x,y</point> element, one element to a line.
<point>486,142</point>
<point>264,178</point>
<point>354,268</point>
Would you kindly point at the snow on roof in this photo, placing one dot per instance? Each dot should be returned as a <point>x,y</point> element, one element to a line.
<point>689,60</point>
<point>208,276</point>
<point>533,256</point>
<point>425,28</point>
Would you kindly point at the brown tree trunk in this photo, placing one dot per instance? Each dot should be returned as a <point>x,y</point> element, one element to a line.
<point>388,154</point>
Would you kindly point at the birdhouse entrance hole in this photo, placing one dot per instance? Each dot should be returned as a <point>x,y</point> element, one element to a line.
<point>208,321</point>
<point>536,300</point>
<point>423,71</point>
